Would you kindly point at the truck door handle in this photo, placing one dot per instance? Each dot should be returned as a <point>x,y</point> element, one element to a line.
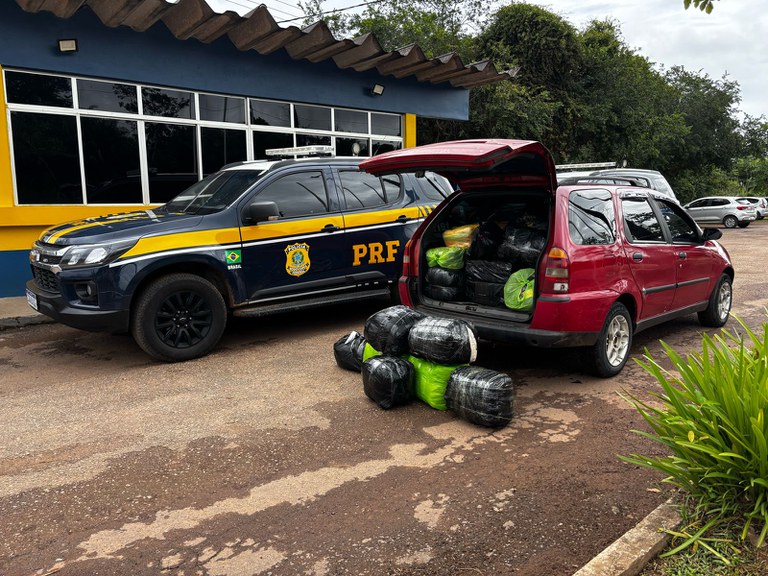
<point>330,228</point>
<point>682,255</point>
<point>637,256</point>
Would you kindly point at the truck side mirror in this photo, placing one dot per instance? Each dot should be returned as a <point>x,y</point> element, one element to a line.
<point>260,211</point>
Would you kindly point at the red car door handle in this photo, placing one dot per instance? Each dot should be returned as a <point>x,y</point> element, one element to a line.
<point>682,255</point>
<point>637,256</point>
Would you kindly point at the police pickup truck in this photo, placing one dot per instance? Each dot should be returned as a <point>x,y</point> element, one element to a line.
<point>254,238</point>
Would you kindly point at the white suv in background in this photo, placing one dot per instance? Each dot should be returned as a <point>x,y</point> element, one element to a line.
<point>726,210</point>
<point>760,204</point>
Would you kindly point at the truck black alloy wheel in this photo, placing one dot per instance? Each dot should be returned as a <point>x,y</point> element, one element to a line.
<point>179,317</point>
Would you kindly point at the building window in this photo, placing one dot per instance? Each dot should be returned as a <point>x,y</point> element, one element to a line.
<point>351,146</point>
<point>171,160</point>
<point>351,121</point>
<point>47,160</point>
<point>386,124</point>
<point>222,108</point>
<point>107,96</point>
<point>263,141</point>
<point>96,141</point>
<point>311,117</point>
<point>168,103</point>
<point>312,140</point>
<point>111,155</point>
<point>221,146</point>
<point>265,113</point>
<point>381,146</point>
<point>38,89</point>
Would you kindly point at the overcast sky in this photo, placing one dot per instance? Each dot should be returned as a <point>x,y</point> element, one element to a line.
<point>733,39</point>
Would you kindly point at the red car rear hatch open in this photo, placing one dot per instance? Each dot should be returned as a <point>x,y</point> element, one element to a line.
<point>473,163</point>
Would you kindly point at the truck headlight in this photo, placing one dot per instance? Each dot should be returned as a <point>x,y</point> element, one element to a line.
<point>92,254</point>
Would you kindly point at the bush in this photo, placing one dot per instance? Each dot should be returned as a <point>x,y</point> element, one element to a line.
<point>712,419</point>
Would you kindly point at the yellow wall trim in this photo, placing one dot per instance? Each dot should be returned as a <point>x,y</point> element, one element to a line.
<point>409,138</point>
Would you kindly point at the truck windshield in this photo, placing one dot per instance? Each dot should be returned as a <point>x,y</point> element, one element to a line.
<point>213,193</point>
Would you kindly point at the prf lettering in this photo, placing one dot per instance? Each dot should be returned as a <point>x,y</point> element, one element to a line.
<point>375,252</point>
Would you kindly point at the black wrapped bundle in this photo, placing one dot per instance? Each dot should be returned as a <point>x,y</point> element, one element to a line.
<point>487,241</point>
<point>348,351</point>
<point>485,293</point>
<point>488,270</point>
<point>481,396</point>
<point>445,277</point>
<point>522,246</point>
<point>387,330</point>
<point>443,293</point>
<point>388,381</point>
<point>443,341</point>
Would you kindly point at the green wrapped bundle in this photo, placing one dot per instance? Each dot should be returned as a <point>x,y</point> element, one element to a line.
<point>518,291</point>
<point>449,257</point>
<point>431,380</point>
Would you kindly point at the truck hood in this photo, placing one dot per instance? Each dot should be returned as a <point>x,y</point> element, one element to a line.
<point>114,227</point>
<point>473,163</point>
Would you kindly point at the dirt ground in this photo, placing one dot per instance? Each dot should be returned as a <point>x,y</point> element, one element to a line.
<point>266,458</point>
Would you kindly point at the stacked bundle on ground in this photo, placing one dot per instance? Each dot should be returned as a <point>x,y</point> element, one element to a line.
<point>388,381</point>
<point>406,355</point>
<point>481,396</point>
<point>348,351</point>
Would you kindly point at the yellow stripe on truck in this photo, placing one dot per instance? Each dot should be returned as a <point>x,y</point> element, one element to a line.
<point>381,217</point>
<point>176,240</point>
<point>278,229</point>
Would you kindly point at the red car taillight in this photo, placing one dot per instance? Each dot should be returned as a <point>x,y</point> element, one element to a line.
<point>556,271</point>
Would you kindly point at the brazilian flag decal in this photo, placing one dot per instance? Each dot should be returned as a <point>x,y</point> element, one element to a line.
<point>233,257</point>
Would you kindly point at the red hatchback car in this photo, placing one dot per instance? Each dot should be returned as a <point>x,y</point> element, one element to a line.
<point>581,265</point>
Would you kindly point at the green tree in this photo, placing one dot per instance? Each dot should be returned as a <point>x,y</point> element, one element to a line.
<point>549,54</point>
<point>710,109</point>
<point>625,109</point>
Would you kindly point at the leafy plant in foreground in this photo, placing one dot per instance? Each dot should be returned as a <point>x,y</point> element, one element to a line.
<point>711,417</point>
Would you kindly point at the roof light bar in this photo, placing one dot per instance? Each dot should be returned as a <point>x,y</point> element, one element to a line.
<point>301,151</point>
<point>587,166</point>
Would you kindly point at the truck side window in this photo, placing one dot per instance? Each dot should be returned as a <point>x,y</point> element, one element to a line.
<point>298,194</point>
<point>363,190</point>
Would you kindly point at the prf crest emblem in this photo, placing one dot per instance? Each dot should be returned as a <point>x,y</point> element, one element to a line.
<point>297,259</point>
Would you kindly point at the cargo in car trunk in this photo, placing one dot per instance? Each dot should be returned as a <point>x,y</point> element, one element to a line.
<point>480,254</point>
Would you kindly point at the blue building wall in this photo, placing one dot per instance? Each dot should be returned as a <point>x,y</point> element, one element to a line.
<point>157,57</point>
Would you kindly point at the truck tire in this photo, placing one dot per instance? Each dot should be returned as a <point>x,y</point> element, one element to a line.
<point>179,317</point>
<point>609,354</point>
<point>716,313</point>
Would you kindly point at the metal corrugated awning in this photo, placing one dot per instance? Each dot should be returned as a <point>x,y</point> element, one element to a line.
<point>259,31</point>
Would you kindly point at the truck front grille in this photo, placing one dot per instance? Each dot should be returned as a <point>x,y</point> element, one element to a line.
<point>46,279</point>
